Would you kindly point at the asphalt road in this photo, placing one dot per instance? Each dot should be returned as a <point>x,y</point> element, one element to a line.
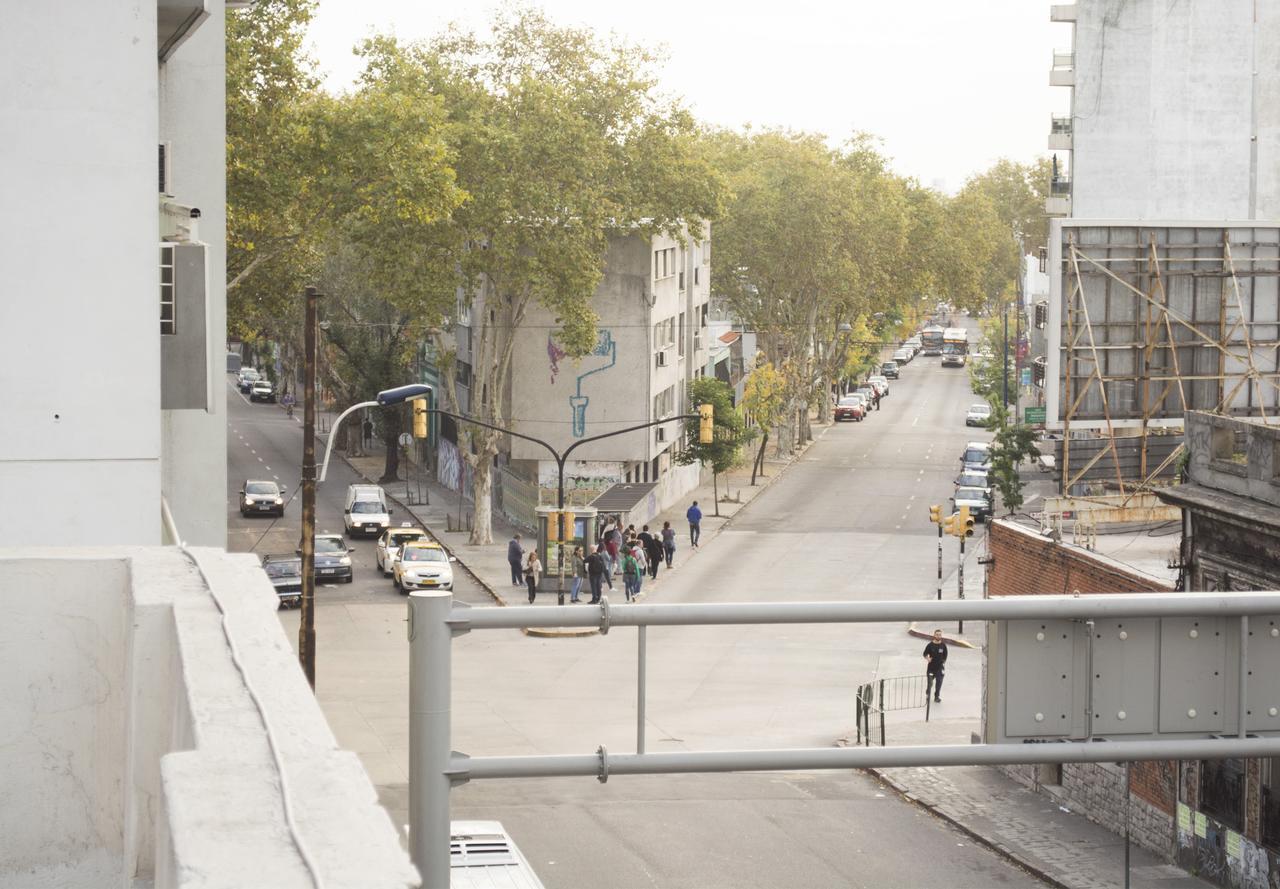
<point>263,443</point>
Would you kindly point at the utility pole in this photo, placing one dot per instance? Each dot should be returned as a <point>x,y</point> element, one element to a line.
<point>1005,326</point>
<point>307,623</point>
<point>960,575</point>
<point>939,561</point>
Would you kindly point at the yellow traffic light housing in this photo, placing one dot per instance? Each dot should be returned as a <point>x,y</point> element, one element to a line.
<point>553,527</point>
<point>964,525</point>
<point>706,423</point>
<point>935,514</point>
<point>420,418</point>
<point>568,519</point>
<point>950,523</point>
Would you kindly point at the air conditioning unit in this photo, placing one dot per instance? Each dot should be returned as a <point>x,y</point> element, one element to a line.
<point>697,341</point>
<point>660,358</point>
<point>660,433</point>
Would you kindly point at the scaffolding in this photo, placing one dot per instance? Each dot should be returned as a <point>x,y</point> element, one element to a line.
<point>1151,320</point>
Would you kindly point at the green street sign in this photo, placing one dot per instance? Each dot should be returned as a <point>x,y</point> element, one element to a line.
<point>1033,416</point>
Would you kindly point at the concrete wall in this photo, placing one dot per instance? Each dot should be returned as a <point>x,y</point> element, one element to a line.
<point>192,103</point>
<point>133,749</point>
<point>79,331</point>
<point>1165,108</point>
<point>1253,473</point>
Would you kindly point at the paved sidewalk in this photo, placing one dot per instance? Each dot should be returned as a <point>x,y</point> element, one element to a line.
<point>1059,846</point>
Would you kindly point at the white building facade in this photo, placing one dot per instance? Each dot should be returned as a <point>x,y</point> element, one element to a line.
<point>653,340</point>
<point>1175,111</point>
<point>109,410</point>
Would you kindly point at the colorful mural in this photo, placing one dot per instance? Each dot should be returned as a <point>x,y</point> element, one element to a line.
<point>606,347</point>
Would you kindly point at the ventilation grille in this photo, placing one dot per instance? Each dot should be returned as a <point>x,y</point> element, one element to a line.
<point>481,850</point>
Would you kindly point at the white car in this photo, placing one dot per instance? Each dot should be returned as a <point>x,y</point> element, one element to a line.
<point>978,415</point>
<point>262,390</point>
<point>389,545</point>
<point>881,383</point>
<point>423,566</point>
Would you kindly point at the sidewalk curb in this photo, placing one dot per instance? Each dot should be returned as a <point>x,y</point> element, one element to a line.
<point>546,632</point>
<point>998,848</point>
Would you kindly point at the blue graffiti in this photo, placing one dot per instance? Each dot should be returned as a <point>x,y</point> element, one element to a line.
<point>605,346</point>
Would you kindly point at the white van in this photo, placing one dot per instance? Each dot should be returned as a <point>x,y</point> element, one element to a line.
<point>482,854</point>
<point>366,511</point>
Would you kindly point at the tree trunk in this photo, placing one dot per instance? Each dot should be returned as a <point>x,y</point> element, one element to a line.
<point>824,406</point>
<point>390,438</point>
<point>715,491</point>
<point>759,464</point>
<point>481,490</point>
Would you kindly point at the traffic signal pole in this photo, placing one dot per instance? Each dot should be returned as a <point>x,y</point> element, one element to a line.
<point>960,575</point>
<point>939,561</point>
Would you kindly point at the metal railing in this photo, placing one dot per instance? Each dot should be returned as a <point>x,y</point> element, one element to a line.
<point>1060,126</point>
<point>434,768</point>
<point>880,696</point>
<point>1060,187</point>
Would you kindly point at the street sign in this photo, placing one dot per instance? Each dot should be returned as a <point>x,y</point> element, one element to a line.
<point>1026,376</point>
<point>406,439</point>
<point>1033,416</point>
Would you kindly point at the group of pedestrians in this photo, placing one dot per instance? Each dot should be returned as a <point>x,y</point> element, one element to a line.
<point>618,550</point>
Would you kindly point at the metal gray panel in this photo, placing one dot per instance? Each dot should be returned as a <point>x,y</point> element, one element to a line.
<point>1264,674</point>
<point>1124,676</point>
<point>184,355</point>
<point>1039,684</point>
<point>1193,668</point>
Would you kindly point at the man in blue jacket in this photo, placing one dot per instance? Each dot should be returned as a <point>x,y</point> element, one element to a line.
<point>694,515</point>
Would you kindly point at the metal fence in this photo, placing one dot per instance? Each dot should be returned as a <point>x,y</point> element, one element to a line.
<point>880,696</point>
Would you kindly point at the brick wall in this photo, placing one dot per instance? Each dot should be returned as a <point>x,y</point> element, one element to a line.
<point>1026,563</point>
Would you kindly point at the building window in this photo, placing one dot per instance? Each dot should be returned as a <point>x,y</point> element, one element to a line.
<point>168,300</point>
<point>1222,791</point>
<point>664,263</point>
<point>664,403</point>
<point>654,469</point>
<point>463,374</point>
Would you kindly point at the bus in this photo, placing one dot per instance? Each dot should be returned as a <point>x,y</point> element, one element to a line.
<point>955,347</point>
<point>931,340</point>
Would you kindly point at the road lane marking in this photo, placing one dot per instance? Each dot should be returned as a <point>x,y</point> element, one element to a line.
<point>915,421</point>
<point>268,469</point>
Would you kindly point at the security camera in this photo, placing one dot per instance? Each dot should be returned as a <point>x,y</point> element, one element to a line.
<point>195,212</point>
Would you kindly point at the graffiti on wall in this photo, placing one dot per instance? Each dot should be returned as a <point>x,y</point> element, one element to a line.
<point>602,357</point>
<point>452,471</point>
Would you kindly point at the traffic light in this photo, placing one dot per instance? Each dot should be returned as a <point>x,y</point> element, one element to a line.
<point>420,418</point>
<point>949,524</point>
<point>568,519</point>
<point>553,527</point>
<point>964,525</point>
<point>935,514</point>
<point>1038,372</point>
<point>706,423</point>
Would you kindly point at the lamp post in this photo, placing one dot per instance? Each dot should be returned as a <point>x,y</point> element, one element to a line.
<point>307,547</point>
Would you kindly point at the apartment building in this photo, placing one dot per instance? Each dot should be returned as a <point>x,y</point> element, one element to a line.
<point>653,305</point>
<point>1174,111</point>
<point>114,308</point>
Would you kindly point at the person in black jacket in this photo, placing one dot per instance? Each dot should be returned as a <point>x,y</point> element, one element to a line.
<point>935,656</point>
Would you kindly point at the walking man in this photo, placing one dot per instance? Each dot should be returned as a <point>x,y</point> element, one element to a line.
<point>596,570</point>
<point>935,656</point>
<point>368,432</point>
<point>668,542</point>
<point>515,558</point>
<point>652,550</point>
<point>694,515</point>
<point>630,575</point>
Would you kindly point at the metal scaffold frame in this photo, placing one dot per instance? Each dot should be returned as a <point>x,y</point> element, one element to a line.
<point>1154,319</point>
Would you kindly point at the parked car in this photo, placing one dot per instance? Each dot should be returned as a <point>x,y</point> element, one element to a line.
<point>366,511</point>
<point>977,499</point>
<point>262,390</point>
<point>261,497</point>
<point>914,344</point>
<point>889,370</point>
<point>881,382</point>
<point>389,545</point>
<point>285,573</point>
<point>977,455</point>
<point>333,558</point>
<point>903,356</point>
<point>246,378</point>
<point>868,392</point>
<point>974,478</point>
<point>423,566</point>
<point>851,407</point>
<point>978,415</point>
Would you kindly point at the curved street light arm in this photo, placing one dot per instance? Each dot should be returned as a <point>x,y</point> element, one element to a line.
<point>333,433</point>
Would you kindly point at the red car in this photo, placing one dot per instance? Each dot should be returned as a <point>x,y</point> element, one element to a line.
<point>851,407</point>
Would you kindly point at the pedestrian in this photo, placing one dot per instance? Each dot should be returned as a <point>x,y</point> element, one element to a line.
<point>652,551</point>
<point>533,573</point>
<point>597,568</point>
<point>612,544</point>
<point>875,392</point>
<point>935,656</point>
<point>368,431</point>
<point>668,542</point>
<point>694,515</point>
<point>580,575</point>
<point>515,558</point>
<point>642,563</point>
<point>630,575</point>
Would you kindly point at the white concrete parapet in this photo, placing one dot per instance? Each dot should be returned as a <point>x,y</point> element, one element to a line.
<point>131,749</point>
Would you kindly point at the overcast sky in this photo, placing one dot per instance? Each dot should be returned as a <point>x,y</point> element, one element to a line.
<point>949,87</point>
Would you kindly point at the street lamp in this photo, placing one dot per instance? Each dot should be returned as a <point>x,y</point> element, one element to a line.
<point>385,398</point>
